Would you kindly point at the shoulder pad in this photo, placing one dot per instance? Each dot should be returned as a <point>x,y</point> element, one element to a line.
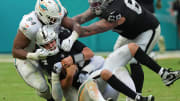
<point>29,25</point>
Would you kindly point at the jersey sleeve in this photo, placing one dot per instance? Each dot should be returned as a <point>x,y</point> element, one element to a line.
<point>29,25</point>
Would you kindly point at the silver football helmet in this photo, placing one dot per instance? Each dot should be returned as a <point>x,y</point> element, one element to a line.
<point>50,11</point>
<point>45,36</point>
<point>98,5</point>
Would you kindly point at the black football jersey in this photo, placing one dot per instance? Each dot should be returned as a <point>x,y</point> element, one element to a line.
<point>49,62</point>
<point>148,4</point>
<point>137,21</point>
<point>145,1</point>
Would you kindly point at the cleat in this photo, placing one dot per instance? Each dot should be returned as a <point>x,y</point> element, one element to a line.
<point>141,98</point>
<point>169,77</point>
<point>50,99</point>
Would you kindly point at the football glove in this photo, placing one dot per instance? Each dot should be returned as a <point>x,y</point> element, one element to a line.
<point>40,54</point>
<point>57,67</point>
<point>68,42</point>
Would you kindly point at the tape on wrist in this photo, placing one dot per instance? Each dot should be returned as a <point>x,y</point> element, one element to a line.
<point>78,58</point>
<point>74,35</point>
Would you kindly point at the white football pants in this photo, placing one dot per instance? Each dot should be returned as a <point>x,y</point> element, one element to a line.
<point>33,76</point>
<point>71,94</point>
<point>146,40</point>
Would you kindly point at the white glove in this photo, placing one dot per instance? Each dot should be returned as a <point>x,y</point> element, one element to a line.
<point>68,42</point>
<point>57,67</point>
<point>83,77</point>
<point>38,55</point>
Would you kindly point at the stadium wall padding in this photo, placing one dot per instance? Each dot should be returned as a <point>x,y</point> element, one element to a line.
<point>12,12</point>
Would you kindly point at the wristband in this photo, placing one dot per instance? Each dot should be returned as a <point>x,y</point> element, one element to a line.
<point>78,58</point>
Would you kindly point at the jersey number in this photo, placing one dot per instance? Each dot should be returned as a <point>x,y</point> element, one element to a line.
<point>133,5</point>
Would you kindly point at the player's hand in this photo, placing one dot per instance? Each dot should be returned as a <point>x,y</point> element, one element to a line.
<point>40,54</point>
<point>68,42</point>
<point>57,67</point>
<point>71,70</point>
<point>68,61</point>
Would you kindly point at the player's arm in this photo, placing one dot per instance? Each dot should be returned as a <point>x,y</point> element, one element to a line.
<point>84,55</point>
<point>20,42</point>
<point>68,80</point>
<point>72,23</point>
<point>84,17</point>
<point>95,28</point>
<point>99,27</point>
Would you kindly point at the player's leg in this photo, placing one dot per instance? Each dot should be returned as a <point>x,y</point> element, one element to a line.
<point>151,37</point>
<point>110,92</point>
<point>120,42</point>
<point>117,59</point>
<point>168,77</point>
<point>121,87</point>
<point>161,44</point>
<point>137,73</point>
<point>33,76</point>
<point>71,94</point>
<point>57,92</point>
<point>96,63</point>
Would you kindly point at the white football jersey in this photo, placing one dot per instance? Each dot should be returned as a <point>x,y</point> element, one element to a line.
<point>30,25</point>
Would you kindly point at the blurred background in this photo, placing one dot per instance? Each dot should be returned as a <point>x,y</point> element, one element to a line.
<point>12,12</point>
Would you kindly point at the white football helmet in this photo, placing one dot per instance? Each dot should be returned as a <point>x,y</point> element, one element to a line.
<point>50,11</point>
<point>44,36</point>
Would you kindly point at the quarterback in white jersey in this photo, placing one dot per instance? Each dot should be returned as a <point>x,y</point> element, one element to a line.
<point>46,12</point>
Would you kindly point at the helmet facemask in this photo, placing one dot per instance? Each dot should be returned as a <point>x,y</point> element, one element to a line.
<point>95,6</point>
<point>46,38</point>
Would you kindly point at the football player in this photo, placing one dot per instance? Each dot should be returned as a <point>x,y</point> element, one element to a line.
<point>134,65</point>
<point>132,21</point>
<point>77,64</point>
<point>46,12</point>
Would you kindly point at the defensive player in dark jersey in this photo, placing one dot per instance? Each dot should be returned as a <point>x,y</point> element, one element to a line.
<point>130,20</point>
<point>136,70</point>
<point>80,62</point>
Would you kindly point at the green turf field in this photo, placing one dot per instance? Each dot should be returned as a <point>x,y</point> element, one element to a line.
<point>13,88</point>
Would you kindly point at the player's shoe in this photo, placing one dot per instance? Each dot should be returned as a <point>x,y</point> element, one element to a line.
<point>109,99</point>
<point>141,98</point>
<point>50,99</point>
<point>169,77</point>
